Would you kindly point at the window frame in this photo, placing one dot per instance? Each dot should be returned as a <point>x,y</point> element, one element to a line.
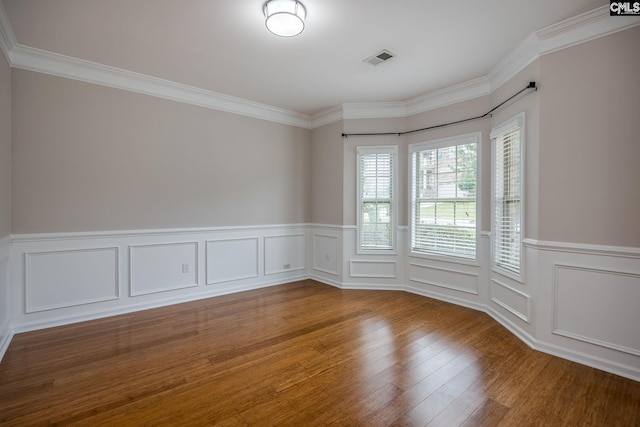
<point>519,122</point>
<point>377,149</point>
<point>464,139</point>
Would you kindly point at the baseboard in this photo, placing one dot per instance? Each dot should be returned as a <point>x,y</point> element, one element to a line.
<point>6,335</point>
<point>372,287</point>
<point>512,327</point>
<point>326,281</point>
<point>66,320</point>
<point>623,370</point>
<point>442,297</point>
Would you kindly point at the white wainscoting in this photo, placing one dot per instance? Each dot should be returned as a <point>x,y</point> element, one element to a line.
<point>373,269</point>
<point>458,281</point>
<point>285,253</point>
<point>370,270</point>
<point>69,277</point>
<point>66,278</point>
<point>232,259</point>
<point>455,283</point>
<point>514,301</point>
<point>326,253</point>
<point>580,302</point>
<point>162,267</point>
<point>511,302</point>
<point>5,298</point>
<point>598,306</point>
<point>451,278</point>
<point>587,304</point>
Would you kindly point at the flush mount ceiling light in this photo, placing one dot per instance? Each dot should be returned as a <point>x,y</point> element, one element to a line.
<point>284,17</point>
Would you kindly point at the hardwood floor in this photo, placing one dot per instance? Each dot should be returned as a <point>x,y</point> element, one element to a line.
<point>302,354</point>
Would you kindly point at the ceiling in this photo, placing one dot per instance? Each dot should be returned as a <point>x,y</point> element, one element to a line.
<point>224,47</point>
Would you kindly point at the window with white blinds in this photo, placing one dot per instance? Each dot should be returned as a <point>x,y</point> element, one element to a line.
<point>507,195</point>
<point>376,198</point>
<point>444,183</point>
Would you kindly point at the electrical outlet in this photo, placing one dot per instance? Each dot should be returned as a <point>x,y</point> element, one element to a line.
<point>185,267</point>
<point>286,266</point>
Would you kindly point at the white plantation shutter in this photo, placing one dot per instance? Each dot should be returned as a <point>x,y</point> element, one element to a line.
<point>443,196</point>
<point>376,190</point>
<point>507,196</point>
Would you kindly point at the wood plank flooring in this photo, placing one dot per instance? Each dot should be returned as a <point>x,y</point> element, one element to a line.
<point>302,354</point>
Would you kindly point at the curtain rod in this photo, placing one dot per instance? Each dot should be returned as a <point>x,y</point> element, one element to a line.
<point>531,85</point>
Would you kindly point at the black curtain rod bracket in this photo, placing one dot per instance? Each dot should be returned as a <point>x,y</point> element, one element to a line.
<point>531,85</point>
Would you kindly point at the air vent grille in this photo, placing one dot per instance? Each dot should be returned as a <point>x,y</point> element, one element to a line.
<point>380,57</point>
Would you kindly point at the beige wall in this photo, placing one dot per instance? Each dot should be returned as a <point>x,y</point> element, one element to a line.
<point>590,142</point>
<point>5,195</point>
<point>90,158</point>
<point>327,174</point>
<point>5,147</point>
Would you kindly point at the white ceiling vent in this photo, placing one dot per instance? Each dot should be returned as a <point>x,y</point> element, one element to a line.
<point>380,57</point>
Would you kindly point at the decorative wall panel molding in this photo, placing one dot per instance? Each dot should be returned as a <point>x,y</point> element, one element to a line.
<point>232,259</point>
<point>46,269</point>
<point>449,278</point>
<point>511,299</point>
<point>598,306</point>
<point>68,278</point>
<point>284,253</point>
<point>373,269</point>
<point>325,253</point>
<point>161,267</point>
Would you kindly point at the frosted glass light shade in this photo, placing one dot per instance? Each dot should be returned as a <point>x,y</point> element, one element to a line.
<point>285,17</point>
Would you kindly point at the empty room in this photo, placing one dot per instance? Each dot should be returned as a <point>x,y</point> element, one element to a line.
<point>282,212</point>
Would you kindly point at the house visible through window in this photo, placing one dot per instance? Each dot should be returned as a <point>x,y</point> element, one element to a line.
<point>376,201</point>
<point>507,195</point>
<point>444,180</point>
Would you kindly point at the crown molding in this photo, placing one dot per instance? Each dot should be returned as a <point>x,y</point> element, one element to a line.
<point>575,22</point>
<point>326,116</point>
<point>579,29</point>
<point>524,54</point>
<point>7,37</point>
<point>430,101</point>
<point>570,32</point>
<point>582,28</point>
<point>451,95</point>
<point>378,110</point>
<point>32,59</point>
